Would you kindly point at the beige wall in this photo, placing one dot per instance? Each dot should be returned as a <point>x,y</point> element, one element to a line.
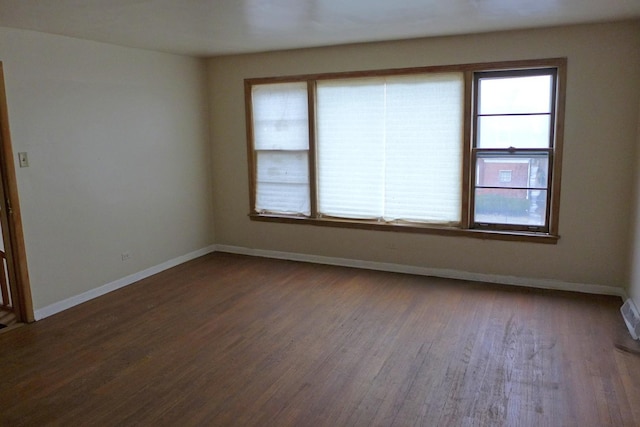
<point>119,156</point>
<point>603,90</point>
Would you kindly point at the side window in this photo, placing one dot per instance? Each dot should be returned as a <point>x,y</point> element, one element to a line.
<point>281,144</point>
<point>513,149</point>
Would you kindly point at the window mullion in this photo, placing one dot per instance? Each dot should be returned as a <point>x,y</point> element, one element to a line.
<point>559,94</point>
<point>384,167</point>
<point>467,163</point>
<point>550,192</point>
<point>313,187</point>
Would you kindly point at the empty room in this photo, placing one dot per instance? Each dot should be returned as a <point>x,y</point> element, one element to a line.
<point>320,213</point>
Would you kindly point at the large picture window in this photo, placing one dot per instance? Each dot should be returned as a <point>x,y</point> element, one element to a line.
<point>472,149</point>
<point>389,148</point>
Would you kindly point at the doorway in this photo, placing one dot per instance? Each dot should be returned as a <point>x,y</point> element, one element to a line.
<point>15,293</point>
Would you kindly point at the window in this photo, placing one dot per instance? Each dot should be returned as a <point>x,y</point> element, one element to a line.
<point>505,175</point>
<point>514,118</point>
<point>388,148</point>
<point>471,149</point>
<point>281,146</point>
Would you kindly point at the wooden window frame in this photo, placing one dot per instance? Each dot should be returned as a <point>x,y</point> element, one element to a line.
<point>466,227</point>
<point>515,152</point>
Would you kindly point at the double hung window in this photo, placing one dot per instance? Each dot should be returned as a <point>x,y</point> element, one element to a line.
<point>472,149</point>
<point>281,148</point>
<point>513,148</point>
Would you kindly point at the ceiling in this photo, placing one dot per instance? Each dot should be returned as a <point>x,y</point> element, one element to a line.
<point>220,27</point>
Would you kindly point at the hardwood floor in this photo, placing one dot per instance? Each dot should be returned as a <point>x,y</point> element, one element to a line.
<point>234,340</point>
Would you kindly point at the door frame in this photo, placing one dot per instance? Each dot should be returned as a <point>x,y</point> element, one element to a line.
<point>10,210</point>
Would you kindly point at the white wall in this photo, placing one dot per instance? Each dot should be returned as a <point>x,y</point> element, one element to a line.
<point>603,89</point>
<point>117,140</point>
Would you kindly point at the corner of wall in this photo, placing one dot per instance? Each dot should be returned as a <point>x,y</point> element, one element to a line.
<point>634,253</point>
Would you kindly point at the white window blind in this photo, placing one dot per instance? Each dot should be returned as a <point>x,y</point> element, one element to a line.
<point>350,146</point>
<point>281,144</point>
<point>390,148</point>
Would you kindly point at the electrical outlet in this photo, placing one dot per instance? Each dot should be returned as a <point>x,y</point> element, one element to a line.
<point>126,255</point>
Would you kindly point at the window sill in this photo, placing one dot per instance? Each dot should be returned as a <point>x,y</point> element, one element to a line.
<point>508,235</point>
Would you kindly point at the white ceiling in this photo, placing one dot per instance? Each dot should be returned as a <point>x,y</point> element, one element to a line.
<point>217,27</point>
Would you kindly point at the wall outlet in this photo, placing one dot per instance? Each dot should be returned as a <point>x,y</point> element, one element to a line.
<point>126,255</point>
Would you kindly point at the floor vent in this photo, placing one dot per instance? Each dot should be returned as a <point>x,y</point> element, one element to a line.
<point>631,318</point>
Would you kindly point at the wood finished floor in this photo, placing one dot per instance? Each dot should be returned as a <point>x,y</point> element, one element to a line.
<point>234,340</point>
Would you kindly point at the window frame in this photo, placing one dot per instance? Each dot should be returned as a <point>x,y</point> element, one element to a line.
<point>477,152</point>
<point>467,226</point>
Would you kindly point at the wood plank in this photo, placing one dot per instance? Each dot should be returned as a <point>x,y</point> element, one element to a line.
<point>235,340</point>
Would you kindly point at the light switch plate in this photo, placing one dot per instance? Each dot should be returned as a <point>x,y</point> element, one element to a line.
<point>23,160</point>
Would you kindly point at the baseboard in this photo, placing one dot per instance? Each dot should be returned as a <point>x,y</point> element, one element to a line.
<point>117,284</point>
<point>344,262</point>
<point>434,272</point>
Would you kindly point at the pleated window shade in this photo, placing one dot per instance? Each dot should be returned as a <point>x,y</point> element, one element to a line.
<point>390,148</point>
<point>281,144</point>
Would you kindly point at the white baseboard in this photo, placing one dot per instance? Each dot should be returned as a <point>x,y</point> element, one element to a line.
<point>117,284</point>
<point>435,272</point>
<point>344,262</point>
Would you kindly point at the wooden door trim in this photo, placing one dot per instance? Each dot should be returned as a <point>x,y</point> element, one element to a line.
<point>22,299</point>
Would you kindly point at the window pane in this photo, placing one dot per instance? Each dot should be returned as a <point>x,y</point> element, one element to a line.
<point>515,95</point>
<point>509,206</point>
<point>512,170</point>
<point>423,148</point>
<point>283,166</point>
<point>514,131</point>
<point>283,182</point>
<point>280,119</point>
<point>350,147</point>
<point>283,198</point>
